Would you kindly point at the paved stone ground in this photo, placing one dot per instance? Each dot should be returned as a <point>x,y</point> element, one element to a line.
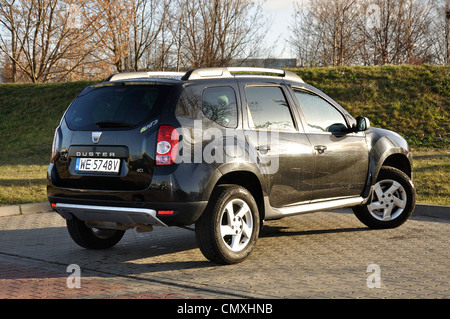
<point>322,255</point>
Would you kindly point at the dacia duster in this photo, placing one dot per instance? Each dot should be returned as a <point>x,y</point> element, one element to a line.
<point>220,149</point>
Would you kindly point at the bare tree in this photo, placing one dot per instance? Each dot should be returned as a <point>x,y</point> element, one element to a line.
<point>40,41</point>
<point>177,17</point>
<point>324,32</point>
<point>338,32</point>
<point>112,28</point>
<point>148,23</point>
<point>10,21</point>
<point>447,32</point>
<point>401,34</point>
<point>305,36</point>
<point>441,32</point>
<point>214,32</point>
<point>128,30</point>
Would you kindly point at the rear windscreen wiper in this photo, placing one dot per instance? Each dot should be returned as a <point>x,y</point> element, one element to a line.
<point>113,124</point>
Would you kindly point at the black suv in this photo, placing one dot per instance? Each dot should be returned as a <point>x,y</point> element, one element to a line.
<point>224,149</point>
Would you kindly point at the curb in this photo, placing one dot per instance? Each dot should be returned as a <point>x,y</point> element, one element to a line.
<point>25,209</point>
<point>437,211</point>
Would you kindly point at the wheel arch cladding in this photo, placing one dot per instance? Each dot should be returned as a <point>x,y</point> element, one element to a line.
<point>249,181</point>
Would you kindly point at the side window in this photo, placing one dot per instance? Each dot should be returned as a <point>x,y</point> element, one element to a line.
<point>320,115</point>
<point>268,109</point>
<point>219,105</point>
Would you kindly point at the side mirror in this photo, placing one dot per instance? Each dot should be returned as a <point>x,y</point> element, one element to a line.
<point>362,124</point>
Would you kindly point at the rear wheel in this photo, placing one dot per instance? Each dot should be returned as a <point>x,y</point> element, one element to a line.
<point>228,229</point>
<point>93,238</point>
<point>392,201</point>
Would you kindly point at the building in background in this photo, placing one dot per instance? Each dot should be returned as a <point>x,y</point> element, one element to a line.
<point>266,63</point>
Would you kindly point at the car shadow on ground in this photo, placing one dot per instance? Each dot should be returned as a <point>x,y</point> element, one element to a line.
<point>158,252</point>
<point>281,231</point>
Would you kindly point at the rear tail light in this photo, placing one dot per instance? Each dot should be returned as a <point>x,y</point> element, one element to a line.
<point>52,156</point>
<point>167,145</point>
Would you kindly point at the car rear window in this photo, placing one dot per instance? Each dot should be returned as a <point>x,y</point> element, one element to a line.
<point>116,106</point>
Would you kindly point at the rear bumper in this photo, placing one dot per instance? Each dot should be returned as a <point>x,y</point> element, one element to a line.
<point>122,215</point>
<point>158,214</point>
<point>180,190</point>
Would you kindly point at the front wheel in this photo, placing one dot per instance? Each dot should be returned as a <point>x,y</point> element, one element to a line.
<point>392,201</point>
<point>229,227</point>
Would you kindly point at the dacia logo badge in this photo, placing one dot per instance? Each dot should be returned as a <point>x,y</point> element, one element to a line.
<point>96,137</point>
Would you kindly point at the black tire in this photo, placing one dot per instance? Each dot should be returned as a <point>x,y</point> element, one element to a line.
<point>93,238</point>
<point>227,231</point>
<point>392,201</point>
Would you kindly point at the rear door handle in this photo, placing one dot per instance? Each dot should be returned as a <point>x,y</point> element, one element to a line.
<point>320,148</point>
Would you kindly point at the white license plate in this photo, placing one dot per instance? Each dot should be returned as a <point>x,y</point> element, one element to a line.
<point>100,165</point>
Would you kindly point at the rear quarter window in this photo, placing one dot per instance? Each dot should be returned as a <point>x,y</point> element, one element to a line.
<point>219,105</point>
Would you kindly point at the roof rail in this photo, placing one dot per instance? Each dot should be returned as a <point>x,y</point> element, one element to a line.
<point>140,75</point>
<point>204,73</point>
<point>225,72</point>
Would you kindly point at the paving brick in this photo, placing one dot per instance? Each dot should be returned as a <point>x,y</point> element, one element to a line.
<point>322,255</point>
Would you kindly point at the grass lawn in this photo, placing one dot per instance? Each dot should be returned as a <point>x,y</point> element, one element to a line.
<point>432,175</point>
<point>21,184</point>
